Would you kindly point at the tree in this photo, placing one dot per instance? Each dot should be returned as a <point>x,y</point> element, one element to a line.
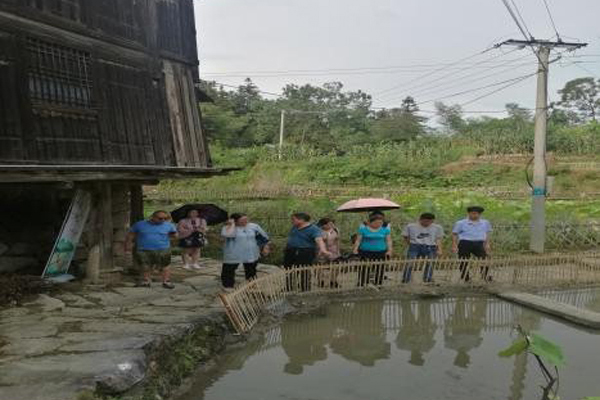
<point>409,105</point>
<point>517,112</point>
<point>399,124</point>
<point>450,117</point>
<point>582,97</point>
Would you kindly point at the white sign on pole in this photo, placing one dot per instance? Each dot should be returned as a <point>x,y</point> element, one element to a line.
<point>70,234</point>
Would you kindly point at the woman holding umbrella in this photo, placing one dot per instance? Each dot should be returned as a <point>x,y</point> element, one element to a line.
<point>192,237</point>
<point>373,243</point>
<point>374,239</point>
<point>192,221</point>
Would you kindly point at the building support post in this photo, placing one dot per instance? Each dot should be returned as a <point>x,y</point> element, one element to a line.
<point>105,228</point>
<point>137,203</point>
<point>540,169</point>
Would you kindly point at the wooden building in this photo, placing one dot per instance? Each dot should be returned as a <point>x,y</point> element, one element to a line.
<point>98,95</point>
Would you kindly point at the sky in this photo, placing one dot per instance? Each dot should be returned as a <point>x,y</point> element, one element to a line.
<point>429,49</point>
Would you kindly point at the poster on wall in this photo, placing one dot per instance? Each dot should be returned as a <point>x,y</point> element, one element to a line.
<point>58,264</point>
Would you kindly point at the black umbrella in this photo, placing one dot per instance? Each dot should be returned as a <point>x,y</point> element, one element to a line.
<point>213,214</point>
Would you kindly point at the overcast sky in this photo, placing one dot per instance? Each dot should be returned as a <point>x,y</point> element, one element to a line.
<point>366,38</point>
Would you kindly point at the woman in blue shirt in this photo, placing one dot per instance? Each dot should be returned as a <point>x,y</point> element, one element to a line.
<point>373,243</point>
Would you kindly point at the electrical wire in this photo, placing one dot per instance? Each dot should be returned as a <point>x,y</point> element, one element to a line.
<point>509,81</point>
<point>578,65</point>
<point>553,23</point>
<point>428,74</point>
<point>408,88</point>
<point>516,19</point>
<point>516,81</point>
<point>456,82</point>
<point>521,18</point>
<point>407,67</point>
<point>513,83</point>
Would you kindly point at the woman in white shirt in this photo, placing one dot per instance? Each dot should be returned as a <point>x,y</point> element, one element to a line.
<point>242,246</point>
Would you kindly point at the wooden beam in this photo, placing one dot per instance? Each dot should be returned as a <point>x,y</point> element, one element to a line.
<point>105,230</point>
<point>80,173</point>
<point>137,203</point>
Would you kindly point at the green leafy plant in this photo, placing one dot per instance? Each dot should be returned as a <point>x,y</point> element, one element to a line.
<point>546,353</point>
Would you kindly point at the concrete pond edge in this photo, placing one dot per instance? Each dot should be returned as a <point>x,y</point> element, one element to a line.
<point>570,313</point>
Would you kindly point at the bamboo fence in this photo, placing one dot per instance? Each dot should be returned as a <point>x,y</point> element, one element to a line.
<point>245,305</point>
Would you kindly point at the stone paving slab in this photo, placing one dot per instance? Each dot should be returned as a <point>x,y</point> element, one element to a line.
<point>565,311</point>
<point>58,345</point>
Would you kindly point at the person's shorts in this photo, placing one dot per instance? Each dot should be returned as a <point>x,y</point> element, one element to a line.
<point>148,259</point>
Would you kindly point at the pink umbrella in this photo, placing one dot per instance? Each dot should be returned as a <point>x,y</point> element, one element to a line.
<point>362,205</point>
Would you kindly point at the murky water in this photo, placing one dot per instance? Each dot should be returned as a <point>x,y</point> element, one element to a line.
<point>402,349</point>
<point>587,298</point>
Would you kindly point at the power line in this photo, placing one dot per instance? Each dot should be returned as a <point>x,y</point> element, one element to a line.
<point>515,82</point>
<point>521,18</point>
<point>551,19</point>
<point>408,67</point>
<point>577,64</point>
<point>428,74</point>
<point>460,81</point>
<point>439,78</point>
<point>479,88</point>
<point>516,19</point>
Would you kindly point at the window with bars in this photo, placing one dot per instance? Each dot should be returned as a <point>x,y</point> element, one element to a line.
<point>59,75</point>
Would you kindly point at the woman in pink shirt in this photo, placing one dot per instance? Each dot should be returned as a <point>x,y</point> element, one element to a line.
<point>331,237</point>
<point>192,237</point>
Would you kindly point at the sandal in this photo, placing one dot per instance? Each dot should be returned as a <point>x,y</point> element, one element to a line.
<point>168,285</point>
<point>144,283</point>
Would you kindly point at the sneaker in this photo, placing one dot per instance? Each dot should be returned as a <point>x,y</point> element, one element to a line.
<point>196,266</point>
<point>168,285</point>
<point>144,283</point>
<point>188,267</point>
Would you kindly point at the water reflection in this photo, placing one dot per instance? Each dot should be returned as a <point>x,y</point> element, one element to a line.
<point>370,349</point>
<point>417,330</point>
<point>361,334</point>
<point>462,331</point>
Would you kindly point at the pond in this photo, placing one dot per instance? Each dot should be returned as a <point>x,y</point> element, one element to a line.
<point>427,349</point>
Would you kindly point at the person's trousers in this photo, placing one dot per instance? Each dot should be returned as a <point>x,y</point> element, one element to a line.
<point>228,273</point>
<point>298,258</point>
<point>379,269</point>
<point>468,249</point>
<point>416,251</point>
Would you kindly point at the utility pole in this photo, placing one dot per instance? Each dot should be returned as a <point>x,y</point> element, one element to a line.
<point>281,133</point>
<point>540,170</point>
<point>542,48</point>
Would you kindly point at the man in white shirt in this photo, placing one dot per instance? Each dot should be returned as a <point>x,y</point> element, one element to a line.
<point>471,237</point>
<point>424,240</point>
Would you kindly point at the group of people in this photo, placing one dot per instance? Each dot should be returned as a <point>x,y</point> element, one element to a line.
<point>246,242</point>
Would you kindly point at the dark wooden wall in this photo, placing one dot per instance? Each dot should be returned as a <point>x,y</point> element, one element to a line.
<point>82,82</point>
